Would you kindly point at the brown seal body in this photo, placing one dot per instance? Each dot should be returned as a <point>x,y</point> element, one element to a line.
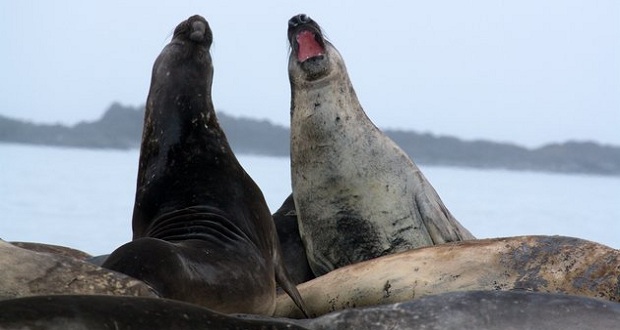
<point>105,313</point>
<point>357,194</point>
<point>552,264</point>
<point>293,251</point>
<point>202,231</point>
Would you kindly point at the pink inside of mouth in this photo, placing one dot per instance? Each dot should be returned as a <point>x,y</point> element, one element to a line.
<point>308,46</point>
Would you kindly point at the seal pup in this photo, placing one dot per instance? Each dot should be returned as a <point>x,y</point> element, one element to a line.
<point>202,231</point>
<point>358,195</point>
<point>553,264</point>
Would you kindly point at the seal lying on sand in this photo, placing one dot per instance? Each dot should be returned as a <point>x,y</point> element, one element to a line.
<point>358,195</point>
<point>533,263</point>
<point>202,231</point>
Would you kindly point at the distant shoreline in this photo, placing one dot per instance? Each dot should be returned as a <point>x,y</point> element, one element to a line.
<point>121,127</point>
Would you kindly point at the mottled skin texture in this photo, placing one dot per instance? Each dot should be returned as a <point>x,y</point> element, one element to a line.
<point>479,310</point>
<point>54,249</point>
<point>358,195</point>
<point>202,231</point>
<point>28,273</point>
<point>553,264</point>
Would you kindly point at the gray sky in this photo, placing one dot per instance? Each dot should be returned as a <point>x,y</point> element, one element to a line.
<point>529,72</point>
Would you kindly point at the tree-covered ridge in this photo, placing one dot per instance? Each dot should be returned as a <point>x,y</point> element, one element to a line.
<point>121,128</point>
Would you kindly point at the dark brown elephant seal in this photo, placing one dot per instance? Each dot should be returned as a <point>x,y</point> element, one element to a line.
<point>554,264</point>
<point>202,231</point>
<point>479,310</point>
<point>123,313</point>
<point>293,251</point>
<point>358,195</point>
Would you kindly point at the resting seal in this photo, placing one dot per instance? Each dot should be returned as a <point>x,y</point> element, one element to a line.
<point>202,231</point>
<point>29,273</point>
<point>105,313</point>
<point>479,310</point>
<point>357,194</point>
<point>533,263</point>
<point>54,249</point>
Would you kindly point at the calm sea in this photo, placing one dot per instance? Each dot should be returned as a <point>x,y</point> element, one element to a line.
<point>84,198</point>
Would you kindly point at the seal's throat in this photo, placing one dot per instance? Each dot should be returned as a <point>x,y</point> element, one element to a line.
<point>202,223</point>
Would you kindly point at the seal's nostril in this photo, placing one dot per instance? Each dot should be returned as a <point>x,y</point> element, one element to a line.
<point>298,20</point>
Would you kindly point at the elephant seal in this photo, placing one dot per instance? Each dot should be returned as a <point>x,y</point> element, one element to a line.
<point>202,231</point>
<point>479,310</point>
<point>293,252</point>
<point>554,264</point>
<point>29,273</point>
<point>54,249</point>
<point>105,313</point>
<point>456,310</point>
<point>358,195</point>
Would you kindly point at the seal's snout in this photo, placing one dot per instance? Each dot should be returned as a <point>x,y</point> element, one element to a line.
<point>199,29</point>
<point>308,47</point>
<point>298,20</point>
<point>306,38</point>
<point>194,29</point>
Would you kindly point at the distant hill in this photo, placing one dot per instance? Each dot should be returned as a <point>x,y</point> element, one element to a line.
<point>121,128</point>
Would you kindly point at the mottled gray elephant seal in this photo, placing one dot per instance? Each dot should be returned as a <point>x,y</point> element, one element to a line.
<point>357,194</point>
<point>533,263</point>
<point>202,231</point>
<point>28,273</point>
<point>54,249</point>
<point>479,310</point>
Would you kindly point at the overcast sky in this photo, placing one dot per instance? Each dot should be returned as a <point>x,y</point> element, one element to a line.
<point>528,72</point>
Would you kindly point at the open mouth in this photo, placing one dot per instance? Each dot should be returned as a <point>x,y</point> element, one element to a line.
<point>308,45</point>
<point>306,38</point>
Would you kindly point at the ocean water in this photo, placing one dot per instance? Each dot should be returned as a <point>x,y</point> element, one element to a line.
<point>84,198</point>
